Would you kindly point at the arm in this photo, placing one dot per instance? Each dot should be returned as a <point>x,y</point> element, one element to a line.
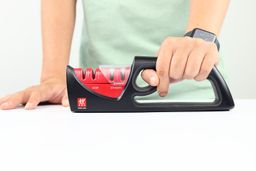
<point>58,19</point>
<point>208,15</point>
<point>189,58</point>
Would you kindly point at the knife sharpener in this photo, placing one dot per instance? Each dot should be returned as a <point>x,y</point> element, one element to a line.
<point>115,91</point>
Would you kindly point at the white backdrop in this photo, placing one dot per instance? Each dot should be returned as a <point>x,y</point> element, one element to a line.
<point>20,45</point>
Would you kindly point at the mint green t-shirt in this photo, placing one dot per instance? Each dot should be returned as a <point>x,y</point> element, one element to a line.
<point>114,31</point>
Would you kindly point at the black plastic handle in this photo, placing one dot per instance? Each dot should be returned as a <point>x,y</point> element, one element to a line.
<point>139,64</point>
<point>223,97</point>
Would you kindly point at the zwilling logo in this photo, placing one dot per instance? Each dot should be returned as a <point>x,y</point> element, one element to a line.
<point>81,103</point>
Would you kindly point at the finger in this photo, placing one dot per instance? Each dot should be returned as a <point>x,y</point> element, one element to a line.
<point>194,63</point>
<point>13,101</point>
<point>150,77</point>
<point>3,99</point>
<point>33,101</point>
<point>172,81</point>
<point>163,65</point>
<point>157,53</point>
<point>206,67</point>
<point>179,60</point>
<point>65,101</point>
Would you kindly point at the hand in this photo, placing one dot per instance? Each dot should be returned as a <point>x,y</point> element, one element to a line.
<point>51,90</point>
<point>181,58</point>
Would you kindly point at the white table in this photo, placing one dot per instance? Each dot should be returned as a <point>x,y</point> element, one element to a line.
<point>52,138</point>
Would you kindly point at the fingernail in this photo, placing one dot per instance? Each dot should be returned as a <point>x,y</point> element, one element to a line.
<point>153,81</point>
<point>162,94</point>
<point>65,103</point>
<point>28,106</point>
<point>4,105</point>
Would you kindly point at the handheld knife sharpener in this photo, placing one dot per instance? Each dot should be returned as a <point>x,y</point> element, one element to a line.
<point>114,90</point>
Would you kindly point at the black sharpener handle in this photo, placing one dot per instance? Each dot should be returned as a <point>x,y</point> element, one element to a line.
<point>223,97</point>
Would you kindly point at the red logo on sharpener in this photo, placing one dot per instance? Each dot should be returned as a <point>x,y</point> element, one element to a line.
<point>81,103</point>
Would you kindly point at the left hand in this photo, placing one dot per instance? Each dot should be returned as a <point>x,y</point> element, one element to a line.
<point>181,58</point>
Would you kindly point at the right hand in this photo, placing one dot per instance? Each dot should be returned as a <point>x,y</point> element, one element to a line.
<point>51,90</point>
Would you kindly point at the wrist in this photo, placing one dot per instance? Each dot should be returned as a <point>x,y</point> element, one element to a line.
<point>53,77</point>
<point>56,72</point>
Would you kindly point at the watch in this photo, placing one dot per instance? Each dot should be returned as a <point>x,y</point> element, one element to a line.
<point>205,35</point>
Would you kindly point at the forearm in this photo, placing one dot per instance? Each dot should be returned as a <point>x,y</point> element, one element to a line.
<point>207,14</point>
<point>58,20</point>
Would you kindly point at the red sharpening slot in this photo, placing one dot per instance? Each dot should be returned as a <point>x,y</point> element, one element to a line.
<point>111,83</point>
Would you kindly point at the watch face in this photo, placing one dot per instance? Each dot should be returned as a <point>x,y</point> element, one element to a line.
<point>204,35</point>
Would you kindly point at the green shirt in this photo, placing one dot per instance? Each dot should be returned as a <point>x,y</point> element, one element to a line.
<point>114,31</point>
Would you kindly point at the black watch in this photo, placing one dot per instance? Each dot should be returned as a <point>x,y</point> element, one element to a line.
<point>205,35</point>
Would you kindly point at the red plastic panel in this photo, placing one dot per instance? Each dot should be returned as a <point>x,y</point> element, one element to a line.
<point>111,83</point>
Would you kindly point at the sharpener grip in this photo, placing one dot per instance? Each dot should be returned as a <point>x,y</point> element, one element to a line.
<point>223,97</point>
<point>139,64</point>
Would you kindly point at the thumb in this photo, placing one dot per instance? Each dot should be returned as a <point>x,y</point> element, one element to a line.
<point>150,77</point>
<point>65,101</point>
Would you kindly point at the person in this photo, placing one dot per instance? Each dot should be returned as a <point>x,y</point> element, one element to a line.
<point>116,31</point>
